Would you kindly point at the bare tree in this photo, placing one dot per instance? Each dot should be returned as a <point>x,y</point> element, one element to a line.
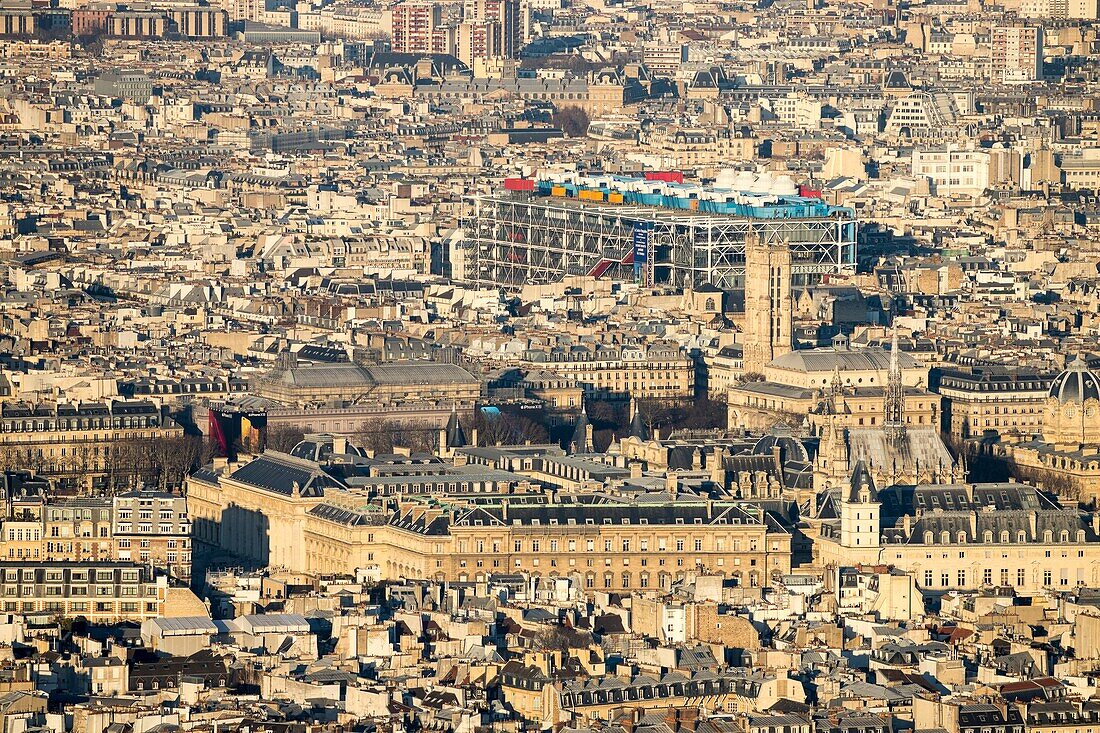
<point>179,456</point>
<point>419,437</point>
<point>508,429</point>
<point>561,638</point>
<point>9,457</point>
<point>282,437</point>
<point>388,435</point>
<point>379,437</point>
<point>572,120</point>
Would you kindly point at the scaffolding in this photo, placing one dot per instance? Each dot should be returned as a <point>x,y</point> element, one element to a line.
<point>517,239</point>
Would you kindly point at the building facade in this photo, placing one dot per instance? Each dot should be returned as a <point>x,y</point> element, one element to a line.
<point>78,444</point>
<point>984,401</point>
<point>964,537</point>
<point>289,513</point>
<point>1017,53</point>
<point>103,593</point>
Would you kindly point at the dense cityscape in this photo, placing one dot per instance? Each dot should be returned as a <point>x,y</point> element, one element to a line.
<point>581,366</point>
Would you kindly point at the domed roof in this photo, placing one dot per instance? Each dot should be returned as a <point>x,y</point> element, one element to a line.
<point>763,183</point>
<point>743,181</point>
<point>784,186</point>
<point>725,178</point>
<point>319,447</point>
<point>790,448</point>
<point>1075,384</point>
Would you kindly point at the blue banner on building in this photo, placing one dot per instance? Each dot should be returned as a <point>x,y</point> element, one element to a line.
<point>641,243</point>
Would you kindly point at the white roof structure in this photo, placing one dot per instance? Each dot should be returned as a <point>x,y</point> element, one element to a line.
<point>273,623</point>
<point>182,626</point>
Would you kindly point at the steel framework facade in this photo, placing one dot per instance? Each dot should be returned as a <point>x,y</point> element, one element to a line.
<point>512,240</point>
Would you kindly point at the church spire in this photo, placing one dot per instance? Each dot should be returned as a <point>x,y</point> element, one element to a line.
<point>456,436</point>
<point>894,403</point>
<point>581,442</point>
<point>836,387</point>
<point>637,425</point>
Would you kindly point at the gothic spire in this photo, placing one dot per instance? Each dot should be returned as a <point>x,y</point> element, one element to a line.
<point>581,442</point>
<point>894,402</point>
<point>836,387</point>
<point>456,436</point>
<point>637,425</point>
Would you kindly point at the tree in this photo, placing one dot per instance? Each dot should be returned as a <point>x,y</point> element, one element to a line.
<point>605,414</point>
<point>574,63</point>
<point>379,437</point>
<point>572,120</point>
<point>282,437</point>
<point>9,458</point>
<point>601,439</point>
<point>91,44</point>
<point>562,639</point>
<point>705,414</point>
<point>387,435</point>
<point>657,414</point>
<point>702,413</point>
<point>419,437</point>
<point>507,429</point>
<point>185,454</point>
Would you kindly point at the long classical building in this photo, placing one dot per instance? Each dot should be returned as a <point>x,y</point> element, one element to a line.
<point>797,384</point>
<point>960,536</point>
<point>986,401</point>
<point>347,383</point>
<point>289,512</point>
<point>73,442</point>
<point>653,371</point>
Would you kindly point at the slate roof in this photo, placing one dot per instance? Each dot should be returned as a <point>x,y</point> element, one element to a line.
<point>325,375</point>
<point>827,359</point>
<point>614,514</point>
<point>278,472</point>
<point>425,373</point>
